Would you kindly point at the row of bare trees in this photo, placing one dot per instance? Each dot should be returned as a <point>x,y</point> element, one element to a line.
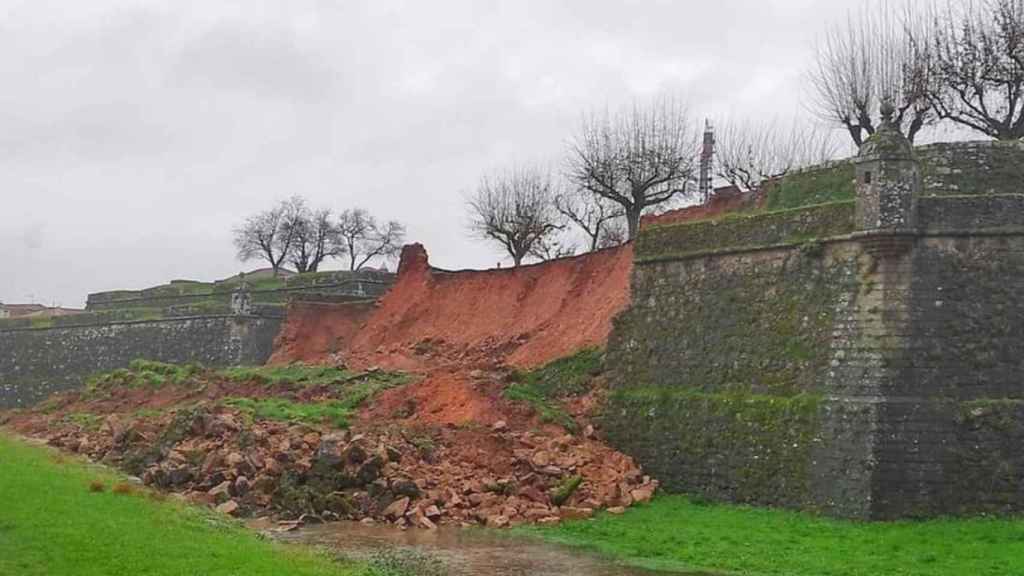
<point>961,62</point>
<point>619,166</point>
<point>294,233</point>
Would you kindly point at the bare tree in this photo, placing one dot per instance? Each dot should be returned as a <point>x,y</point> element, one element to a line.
<point>552,248</point>
<point>637,159</point>
<point>869,60</point>
<point>750,152</point>
<point>268,235</point>
<point>978,52</point>
<point>361,239</point>
<point>597,217</point>
<point>516,210</point>
<point>314,238</point>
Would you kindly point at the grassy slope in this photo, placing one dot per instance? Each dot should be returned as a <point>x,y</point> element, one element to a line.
<point>674,534</point>
<point>51,523</point>
<point>544,387</point>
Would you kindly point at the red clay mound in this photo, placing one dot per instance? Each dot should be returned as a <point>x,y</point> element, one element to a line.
<point>430,318</point>
<point>315,331</point>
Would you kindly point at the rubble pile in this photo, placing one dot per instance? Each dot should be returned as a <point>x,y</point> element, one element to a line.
<point>423,477</point>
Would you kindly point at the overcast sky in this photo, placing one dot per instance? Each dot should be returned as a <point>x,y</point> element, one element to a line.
<point>135,135</point>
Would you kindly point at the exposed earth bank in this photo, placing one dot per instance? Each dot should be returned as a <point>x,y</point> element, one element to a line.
<point>353,439</point>
<point>450,327</point>
<point>523,317</point>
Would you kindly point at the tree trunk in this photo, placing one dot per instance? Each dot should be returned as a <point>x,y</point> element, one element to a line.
<point>633,221</point>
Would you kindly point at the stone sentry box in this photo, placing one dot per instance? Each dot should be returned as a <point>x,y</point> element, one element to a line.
<point>863,359</point>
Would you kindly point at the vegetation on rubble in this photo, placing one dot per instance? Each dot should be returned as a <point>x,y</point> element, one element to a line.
<point>333,412</point>
<point>678,534</point>
<point>544,387</point>
<point>62,517</point>
<point>143,373</point>
<point>356,386</point>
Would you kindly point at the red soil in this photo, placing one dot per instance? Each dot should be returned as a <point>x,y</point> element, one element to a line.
<point>457,327</point>
<point>523,317</point>
<point>315,331</point>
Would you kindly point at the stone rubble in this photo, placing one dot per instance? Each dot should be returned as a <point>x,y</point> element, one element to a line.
<point>494,476</point>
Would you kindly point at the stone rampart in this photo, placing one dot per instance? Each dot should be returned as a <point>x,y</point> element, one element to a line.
<point>793,358</point>
<point>35,363</point>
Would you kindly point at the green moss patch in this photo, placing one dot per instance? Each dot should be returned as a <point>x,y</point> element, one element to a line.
<point>738,446</point>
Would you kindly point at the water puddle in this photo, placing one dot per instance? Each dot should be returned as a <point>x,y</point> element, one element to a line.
<point>466,552</point>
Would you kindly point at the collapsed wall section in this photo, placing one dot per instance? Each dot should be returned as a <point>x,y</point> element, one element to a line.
<point>38,362</point>
<point>524,316</point>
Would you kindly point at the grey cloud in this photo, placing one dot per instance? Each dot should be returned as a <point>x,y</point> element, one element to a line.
<point>137,133</point>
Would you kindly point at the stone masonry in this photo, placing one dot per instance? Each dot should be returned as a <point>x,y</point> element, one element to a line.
<point>861,359</point>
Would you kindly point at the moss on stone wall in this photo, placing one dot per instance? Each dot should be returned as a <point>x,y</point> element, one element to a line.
<point>737,446</point>
<point>738,231</point>
<point>762,322</point>
<point>825,184</point>
<point>972,168</point>
<point>989,461</point>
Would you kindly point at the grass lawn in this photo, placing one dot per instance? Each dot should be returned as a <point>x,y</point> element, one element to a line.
<point>673,533</point>
<point>52,523</point>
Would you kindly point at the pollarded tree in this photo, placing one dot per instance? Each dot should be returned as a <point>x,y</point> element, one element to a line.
<point>638,158</point>
<point>314,238</point>
<point>268,234</point>
<point>515,209</point>
<point>360,238</point>
<point>978,52</point>
<point>598,218</point>
<point>872,59</point>
<point>748,153</point>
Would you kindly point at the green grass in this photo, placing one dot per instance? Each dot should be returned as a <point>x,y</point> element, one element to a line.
<point>819,185</point>
<point>52,523</point>
<point>288,374</point>
<point>543,387</point>
<point>85,420</point>
<point>147,373</point>
<point>334,412</point>
<point>674,533</point>
<point>143,373</point>
<point>353,389</point>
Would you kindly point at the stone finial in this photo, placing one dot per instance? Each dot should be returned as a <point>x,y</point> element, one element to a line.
<point>887,110</point>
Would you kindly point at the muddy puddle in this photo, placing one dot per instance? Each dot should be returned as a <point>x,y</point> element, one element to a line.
<point>466,552</point>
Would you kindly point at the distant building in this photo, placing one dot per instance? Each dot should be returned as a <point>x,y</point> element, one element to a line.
<point>35,311</point>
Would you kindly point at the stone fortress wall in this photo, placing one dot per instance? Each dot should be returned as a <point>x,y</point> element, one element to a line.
<point>221,325</point>
<point>863,357</point>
